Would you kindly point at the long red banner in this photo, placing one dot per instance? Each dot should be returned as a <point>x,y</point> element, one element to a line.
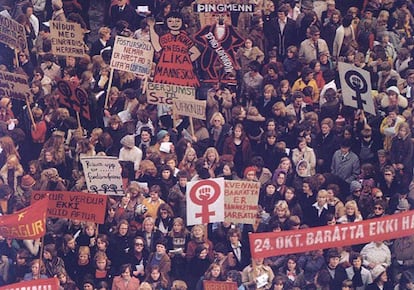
<point>26,224</point>
<point>271,244</point>
<point>44,284</point>
<point>74,205</point>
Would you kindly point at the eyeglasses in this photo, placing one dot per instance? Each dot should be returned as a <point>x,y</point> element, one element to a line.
<point>163,212</point>
<point>378,208</point>
<point>139,244</point>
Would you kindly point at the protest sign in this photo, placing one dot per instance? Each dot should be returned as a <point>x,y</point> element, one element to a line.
<point>74,205</point>
<point>205,201</point>
<point>298,241</point>
<point>190,108</point>
<point>13,34</point>
<point>14,86</point>
<point>218,54</point>
<point>164,94</point>
<point>218,285</point>
<point>38,284</point>
<point>73,97</point>
<point>356,87</point>
<point>240,201</point>
<point>26,224</point>
<point>132,55</point>
<point>103,175</point>
<point>67,39</point>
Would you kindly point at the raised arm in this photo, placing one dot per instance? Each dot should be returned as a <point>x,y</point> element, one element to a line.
<point>155,38</point>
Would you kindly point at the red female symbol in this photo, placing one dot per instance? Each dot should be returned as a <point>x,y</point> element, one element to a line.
<point>204,193</point>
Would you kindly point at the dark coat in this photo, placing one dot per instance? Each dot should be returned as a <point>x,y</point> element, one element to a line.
<point>225,132</point>
<point>339,276</point>
<point>128,14</point>
<point>265,110</point>
<point>271,156</point>
<point>286,38</point>
<point>97,46</point>
<point>313,220</point>
<point>325,149</point>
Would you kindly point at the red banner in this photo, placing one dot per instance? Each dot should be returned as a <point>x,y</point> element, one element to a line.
<point>217,285</point>
<point>74,205</point>
<point>26,224</point>
<point>44,284</point>
<point>394,226</point>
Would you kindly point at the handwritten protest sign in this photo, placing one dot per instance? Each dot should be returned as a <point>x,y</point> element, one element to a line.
<point>190,108</point>
<point>165,93</point>
<point>240,201</point>
<point>13,34</point>
<point>218,54</point>
<point>132,55</point>
<point>67,39</point>
<point>14,86</point>
<point>45,284</point>
<point>74,205</point>
<point>298,241</point>
<point>103,175</point>
<point>218,285</point>
<point>205,201</point>
<point>356,87</point>
<point>74,97</point>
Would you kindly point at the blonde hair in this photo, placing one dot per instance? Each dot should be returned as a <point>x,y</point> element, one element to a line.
<point>84,250</point>
<point>271,88</point>
<point>179,285</point>
<point>145,286</point>
<point>282,205</point>
<point>354,205</point>
<point>217,115</point>
<point>212,150</point>
<point>322,193</point>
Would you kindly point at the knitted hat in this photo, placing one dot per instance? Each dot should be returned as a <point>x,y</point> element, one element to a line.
<point>128,141</point>
<point>403,204</point>
<point>248,169</point>
<point>393,89</point>
<point>377,271</point>
<point>27,181</point>
<point>355,185</point>
<point>161,134</point>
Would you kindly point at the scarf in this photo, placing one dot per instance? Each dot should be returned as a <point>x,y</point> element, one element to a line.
<point>357,279</point>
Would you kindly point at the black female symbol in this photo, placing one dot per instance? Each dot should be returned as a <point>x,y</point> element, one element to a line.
<point>357,82</point>
<point>204,193</point>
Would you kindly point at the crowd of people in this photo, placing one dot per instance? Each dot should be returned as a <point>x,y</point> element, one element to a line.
<point>278,118</point>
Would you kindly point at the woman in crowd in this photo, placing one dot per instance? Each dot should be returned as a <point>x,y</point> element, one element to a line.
<point>177,240</point>
<point>213,273</point>
<point>138,258</point>
<point>238,145</point>
<point>38,271</point>
<point>125,281</point>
